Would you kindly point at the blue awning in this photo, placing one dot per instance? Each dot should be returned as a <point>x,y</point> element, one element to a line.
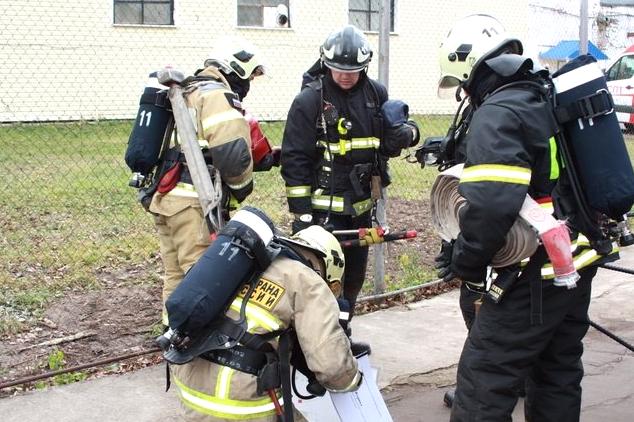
<point>567,50</point>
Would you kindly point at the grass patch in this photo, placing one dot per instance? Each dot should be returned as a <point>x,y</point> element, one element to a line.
<point>55,362</point>
<point>410,271</point>
<point>10,324</point>
<point>67,214</point>
<point>413,271</point>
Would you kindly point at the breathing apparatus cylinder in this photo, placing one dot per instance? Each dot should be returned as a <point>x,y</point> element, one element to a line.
<point>584,109</point>
<point>208,288</point>
<point>146,138</point>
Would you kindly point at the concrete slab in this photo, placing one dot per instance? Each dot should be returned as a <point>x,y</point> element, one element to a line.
<point>135,396</point>
<point>416,348</point>
<point>413,339</point>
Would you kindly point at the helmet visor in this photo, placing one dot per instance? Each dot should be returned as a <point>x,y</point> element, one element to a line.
<point>344,68</point>
<point>447,87</point>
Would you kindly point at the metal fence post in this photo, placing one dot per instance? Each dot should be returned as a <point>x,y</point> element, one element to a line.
<point>583,27</point>
<point>384,66</point>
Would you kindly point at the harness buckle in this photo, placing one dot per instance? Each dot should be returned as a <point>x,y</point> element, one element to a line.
<point>598,104</point>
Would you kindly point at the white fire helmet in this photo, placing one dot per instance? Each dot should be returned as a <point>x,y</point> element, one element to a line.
<point>236,55</point>
<point>471,41</point>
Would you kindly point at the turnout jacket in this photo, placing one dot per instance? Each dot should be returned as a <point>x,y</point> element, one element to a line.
<point>223,134</point>
<point>510,151</point>
<point>289,294</point>
<point>319,161</point>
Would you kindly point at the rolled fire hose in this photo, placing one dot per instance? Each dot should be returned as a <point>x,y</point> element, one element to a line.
<point>533,224</point>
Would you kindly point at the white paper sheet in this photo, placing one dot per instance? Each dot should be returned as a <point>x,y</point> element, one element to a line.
<point>363,405</point>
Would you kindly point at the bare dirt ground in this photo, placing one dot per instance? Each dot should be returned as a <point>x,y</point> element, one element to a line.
<point>122,317</point>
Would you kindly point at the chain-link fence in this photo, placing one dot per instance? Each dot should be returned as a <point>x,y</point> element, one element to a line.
<point>73,73</point>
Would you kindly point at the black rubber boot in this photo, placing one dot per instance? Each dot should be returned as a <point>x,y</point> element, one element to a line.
<point>360,348</point>
<point>449,397</point>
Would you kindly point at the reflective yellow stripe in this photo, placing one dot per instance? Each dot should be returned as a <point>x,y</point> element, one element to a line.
<point>323,202</point>
<point>581,242</point>
<point>184,189</point>
<point>554,165</point>
<point>223,383</point>
<point>219,118</point>
<point>362,143</point>
<point>264,319</point>
<point>496,173</point>
<point>297,191</point>
<point>580,261</point>
<point>345,145</point>
<point>224,408</point>
<point>362,206</point>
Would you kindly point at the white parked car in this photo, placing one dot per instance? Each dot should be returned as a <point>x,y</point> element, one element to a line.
<point>620,77</point>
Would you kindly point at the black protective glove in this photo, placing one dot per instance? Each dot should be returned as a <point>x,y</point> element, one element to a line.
<point>443,261</point>
<point>416,130</point>
<point>443,265</point>
<point>399,137</point>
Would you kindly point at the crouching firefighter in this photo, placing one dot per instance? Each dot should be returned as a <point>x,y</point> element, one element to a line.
<point>237,312</point>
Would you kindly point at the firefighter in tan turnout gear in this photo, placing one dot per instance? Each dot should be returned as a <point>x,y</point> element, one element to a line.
<point>296,291</point>
<point>214,98</point>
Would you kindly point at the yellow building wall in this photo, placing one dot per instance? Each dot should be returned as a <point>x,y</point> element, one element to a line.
<point>66,60</point>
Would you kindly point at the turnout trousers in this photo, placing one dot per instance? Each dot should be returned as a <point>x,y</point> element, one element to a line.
<point>183,237</point>
<point>356,258</point>
<point>503,348</point>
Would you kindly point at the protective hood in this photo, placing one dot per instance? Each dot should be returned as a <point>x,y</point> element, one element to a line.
<point>510,65</point>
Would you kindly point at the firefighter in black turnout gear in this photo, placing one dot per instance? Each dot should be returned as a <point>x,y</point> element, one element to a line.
<point>536,328</point>
<point>336,145</point>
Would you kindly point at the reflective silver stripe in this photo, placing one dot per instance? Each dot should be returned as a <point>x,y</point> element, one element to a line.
<point>297,191</point>
<point>223,383</point>
<point>324,202</point>
<point>345,145</point>
<point>582,260</point>
<point>240,185</point>
<point>582,241</point>
<point>363,143</point>
<point>578,76</point>
<point>496,173</point>
<point>214,405</point>
<point>218,118</point>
